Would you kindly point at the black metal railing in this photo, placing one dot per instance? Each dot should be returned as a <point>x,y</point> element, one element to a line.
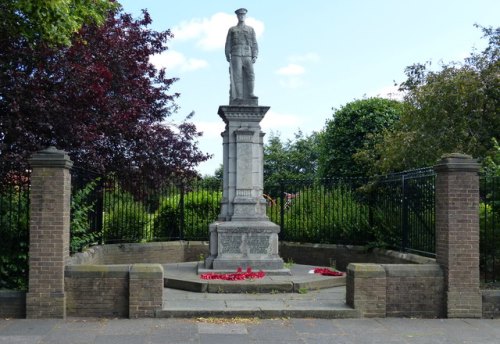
<point>403,211</point>
<point>489,223</point>
<point>14,230</point>
<point>397,211</point>
<point>135,211</point>
<point>86,208</point>
<point>320,211</point>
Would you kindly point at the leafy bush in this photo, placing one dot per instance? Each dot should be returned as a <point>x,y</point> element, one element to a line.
<point>489,218</point>
<point>82,206</point>
<point>322,214</point>
<point>200,208</point>
<point>125,219</point>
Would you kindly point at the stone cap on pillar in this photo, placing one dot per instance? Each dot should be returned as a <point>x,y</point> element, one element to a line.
<point>457,162</point>
<point>51,157</point>
<point>242,113</point>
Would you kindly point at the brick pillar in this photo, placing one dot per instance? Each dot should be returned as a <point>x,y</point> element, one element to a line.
<point>49,233</point>
<point>145,290</point>
<point>366,289</point>
<point>457,233</point>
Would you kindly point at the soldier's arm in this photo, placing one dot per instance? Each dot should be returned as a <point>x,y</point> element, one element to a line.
<point>228,46</point>
<point>255,47</point>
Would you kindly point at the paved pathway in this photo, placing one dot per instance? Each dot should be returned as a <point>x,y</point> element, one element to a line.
<point>236,331</point>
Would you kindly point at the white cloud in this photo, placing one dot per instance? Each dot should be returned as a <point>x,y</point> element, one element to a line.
<point>175,60</point>
<point>291,70</point>
<point>210,33</point>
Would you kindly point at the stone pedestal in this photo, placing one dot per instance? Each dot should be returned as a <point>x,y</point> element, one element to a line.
<point>243,236</point>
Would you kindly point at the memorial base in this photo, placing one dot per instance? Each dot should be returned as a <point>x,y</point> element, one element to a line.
<point>244,244</point>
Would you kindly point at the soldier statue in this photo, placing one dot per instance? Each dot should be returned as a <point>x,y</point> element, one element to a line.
<point>241,53</point>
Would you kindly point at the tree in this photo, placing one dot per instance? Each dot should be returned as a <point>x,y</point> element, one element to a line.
<point>100,99</point>
<point>290,160</point>
<point>50,21</point>
<point>346,144</point>
<point>455,109</point>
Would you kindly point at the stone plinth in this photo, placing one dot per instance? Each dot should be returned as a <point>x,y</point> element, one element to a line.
<point>243,236</point>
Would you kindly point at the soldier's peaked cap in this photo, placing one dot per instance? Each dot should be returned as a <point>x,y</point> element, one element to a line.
<point>241,11</point>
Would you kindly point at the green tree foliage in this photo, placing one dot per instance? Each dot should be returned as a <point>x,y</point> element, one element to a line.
<point>125,218</point>
<point>454,109</point>
<point>318,213</point>
<point>100,99</point>
<point>195,209</point>
<point>346,144</point>
<point>82,206</point>
<point>214,181</point>
<point>290,160</point>
<point>52,22</point>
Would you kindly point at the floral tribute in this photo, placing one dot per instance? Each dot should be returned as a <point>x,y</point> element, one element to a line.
<point>327,272</point>
<point>239,275</point>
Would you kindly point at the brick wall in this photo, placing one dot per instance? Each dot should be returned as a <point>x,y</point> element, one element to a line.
<point>395,290</point>
<point>97,290</point>
<point>12,304</point>
<point>414,290</point>
<point>491,304</point>
<point>134,291</point>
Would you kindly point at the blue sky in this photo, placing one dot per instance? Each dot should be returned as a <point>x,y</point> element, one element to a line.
<point>314,55</point>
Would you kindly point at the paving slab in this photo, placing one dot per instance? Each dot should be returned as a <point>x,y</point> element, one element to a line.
<point>250,330</point>
<point>322,303</point>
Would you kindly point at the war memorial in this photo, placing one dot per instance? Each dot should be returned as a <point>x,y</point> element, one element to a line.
<point>163,279</point>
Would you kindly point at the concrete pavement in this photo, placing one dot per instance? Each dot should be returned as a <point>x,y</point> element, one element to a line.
<point>241,330</point>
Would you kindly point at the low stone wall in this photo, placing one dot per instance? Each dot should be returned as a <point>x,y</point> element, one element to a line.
<point>396,290</point>
<point>491,304</point>
<point>323,254</point>
<point>185,251</point>
<point>150,253</point>
<point>106,281</point>
<point>97,290</point>
<point>12,304</point>
<point>414,290</point>
<point>113,290</point>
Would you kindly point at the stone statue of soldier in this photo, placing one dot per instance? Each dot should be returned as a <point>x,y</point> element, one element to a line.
<point>241,53</point>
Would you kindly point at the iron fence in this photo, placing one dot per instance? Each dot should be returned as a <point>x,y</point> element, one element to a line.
<point>489,215</point>
<point>137,211</point>
<point>86,208</point>
<point>320,211</point>
<point>396,211</point>
<point>403,211</point>
<point>14,230</point>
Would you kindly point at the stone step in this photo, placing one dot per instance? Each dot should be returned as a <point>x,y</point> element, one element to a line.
<point>262,313</point>
<point>326,303</point>
<point>183,276</point>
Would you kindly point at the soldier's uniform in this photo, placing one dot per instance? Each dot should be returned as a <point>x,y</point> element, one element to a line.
<point>241,50</point>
